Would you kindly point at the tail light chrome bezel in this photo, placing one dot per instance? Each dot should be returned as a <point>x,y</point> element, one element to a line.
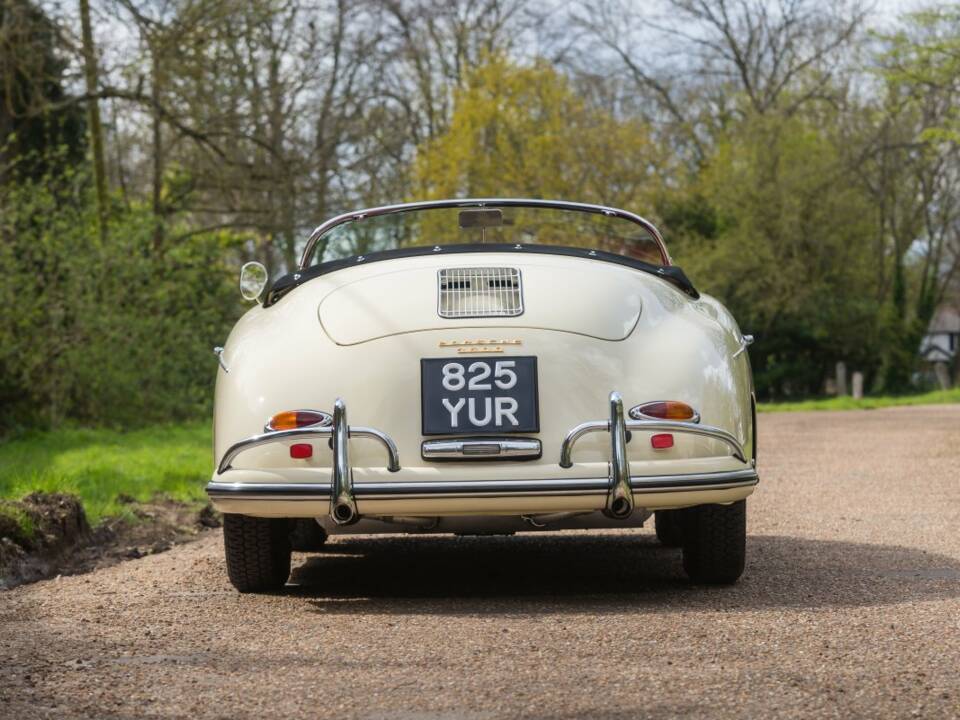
<point>642,411</point>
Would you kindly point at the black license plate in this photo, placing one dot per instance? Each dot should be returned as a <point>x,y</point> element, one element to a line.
<point>479,396</point>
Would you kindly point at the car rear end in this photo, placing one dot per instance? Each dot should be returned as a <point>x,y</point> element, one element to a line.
<point>483,390</point>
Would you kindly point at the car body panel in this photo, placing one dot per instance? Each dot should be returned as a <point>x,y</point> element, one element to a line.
<point>636,335</point>
<point>380,302</point>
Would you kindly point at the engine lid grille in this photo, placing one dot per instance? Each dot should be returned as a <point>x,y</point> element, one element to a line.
<point>479,292</point>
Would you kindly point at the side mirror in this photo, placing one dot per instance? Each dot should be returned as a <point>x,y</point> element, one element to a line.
<point>253,280</point>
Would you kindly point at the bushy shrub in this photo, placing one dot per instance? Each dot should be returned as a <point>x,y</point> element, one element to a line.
<point>115,334</point>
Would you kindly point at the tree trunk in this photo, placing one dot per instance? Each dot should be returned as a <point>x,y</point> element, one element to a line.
<point>93,110</point>
<point>158,211</point>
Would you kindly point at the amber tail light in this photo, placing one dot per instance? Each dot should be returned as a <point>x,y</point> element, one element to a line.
<point>665,410</point>
<point>293,419</point>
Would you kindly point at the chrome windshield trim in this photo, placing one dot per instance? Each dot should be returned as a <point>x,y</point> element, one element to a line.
<point>480,202</point>
<point>418,489</point>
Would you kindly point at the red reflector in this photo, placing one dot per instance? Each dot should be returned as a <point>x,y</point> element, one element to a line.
<point>301,451</point>
<point>661,441</point>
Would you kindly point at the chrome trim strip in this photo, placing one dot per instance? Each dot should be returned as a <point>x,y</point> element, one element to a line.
<point>480,202</point>
<point>483,488</point>
<point>715,433</point>
<point>481,449</point>
<point>619,496</point>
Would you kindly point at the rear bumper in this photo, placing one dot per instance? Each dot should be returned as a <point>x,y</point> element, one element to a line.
<point>289,494</point>
<point>271,497</point>
<point>426,489</point>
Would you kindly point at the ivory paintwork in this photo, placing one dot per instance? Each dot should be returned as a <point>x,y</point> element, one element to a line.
<point>359,334</point>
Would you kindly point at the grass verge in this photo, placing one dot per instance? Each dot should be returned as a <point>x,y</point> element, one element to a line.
<point>99,466</point>
<point>938,397</point>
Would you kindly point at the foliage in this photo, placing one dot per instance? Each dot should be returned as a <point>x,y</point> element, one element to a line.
<point>32,124</point>
<point>802,170</point>
<point>776,228</point>
<point>106,334</point>
<point>522,131</point>
<point>101,466</point>
<point>922,60</point>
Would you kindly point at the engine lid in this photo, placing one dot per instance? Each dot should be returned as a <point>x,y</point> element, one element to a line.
<point>577,296</point>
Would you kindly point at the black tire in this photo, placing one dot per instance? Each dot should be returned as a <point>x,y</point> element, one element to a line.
<point>715,542</point>
<point>667,524</point>
<point>306,535</point>
<point>257,551</point>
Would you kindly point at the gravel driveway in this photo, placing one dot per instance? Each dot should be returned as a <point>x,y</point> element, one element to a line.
<point>850,606</point>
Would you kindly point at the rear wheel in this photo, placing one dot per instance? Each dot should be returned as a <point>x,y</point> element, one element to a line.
<point>257,551</point>
<point>715,542</point>
<point>667,524</point>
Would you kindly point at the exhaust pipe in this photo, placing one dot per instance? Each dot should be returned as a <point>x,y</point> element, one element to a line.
<point>344,513</point>
<point>620,509</point>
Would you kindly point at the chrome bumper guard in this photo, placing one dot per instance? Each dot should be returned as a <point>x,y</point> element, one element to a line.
<point>619,493</point>
<point>620,487</point>
<point>343,506</point>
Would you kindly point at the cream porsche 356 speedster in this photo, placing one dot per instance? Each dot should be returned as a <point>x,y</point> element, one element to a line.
<point>482,367</point>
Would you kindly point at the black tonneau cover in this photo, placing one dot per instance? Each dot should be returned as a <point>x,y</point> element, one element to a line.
<point>670,273</point>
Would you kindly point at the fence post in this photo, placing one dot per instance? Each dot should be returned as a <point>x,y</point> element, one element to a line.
<point>841,378</point>
<point>858,386</point>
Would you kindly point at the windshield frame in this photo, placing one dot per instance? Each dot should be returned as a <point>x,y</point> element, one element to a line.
<point>481,202</point>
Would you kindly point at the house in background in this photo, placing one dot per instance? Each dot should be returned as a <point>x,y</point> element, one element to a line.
<point>941,344</point>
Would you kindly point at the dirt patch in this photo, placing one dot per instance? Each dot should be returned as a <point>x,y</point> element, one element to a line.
<point>45,535</point>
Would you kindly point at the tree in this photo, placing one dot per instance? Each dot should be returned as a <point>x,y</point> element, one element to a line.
<point>777,227</point>
<point>522,131</point>
<point>37,137</point>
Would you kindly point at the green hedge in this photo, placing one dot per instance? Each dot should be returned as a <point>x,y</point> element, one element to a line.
<point>114,334</point>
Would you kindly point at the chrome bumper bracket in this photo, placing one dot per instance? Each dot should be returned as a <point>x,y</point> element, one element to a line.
<point>619,494</point>
<point>676,426</point>
<point>343,506</point>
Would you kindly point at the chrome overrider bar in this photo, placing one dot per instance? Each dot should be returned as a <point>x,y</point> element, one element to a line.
<point>619,492</point>
<point>343,506</point>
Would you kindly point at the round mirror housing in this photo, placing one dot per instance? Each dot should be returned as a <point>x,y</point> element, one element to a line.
<point>253,280</point>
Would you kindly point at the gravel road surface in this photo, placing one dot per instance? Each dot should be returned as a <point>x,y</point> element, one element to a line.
<point>849,607</point>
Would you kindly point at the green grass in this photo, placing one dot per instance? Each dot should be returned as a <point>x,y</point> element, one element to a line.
<point>938,397</point>
<point>100,465</point>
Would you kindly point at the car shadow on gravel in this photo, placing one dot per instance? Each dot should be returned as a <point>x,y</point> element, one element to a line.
<point>610,573</point>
